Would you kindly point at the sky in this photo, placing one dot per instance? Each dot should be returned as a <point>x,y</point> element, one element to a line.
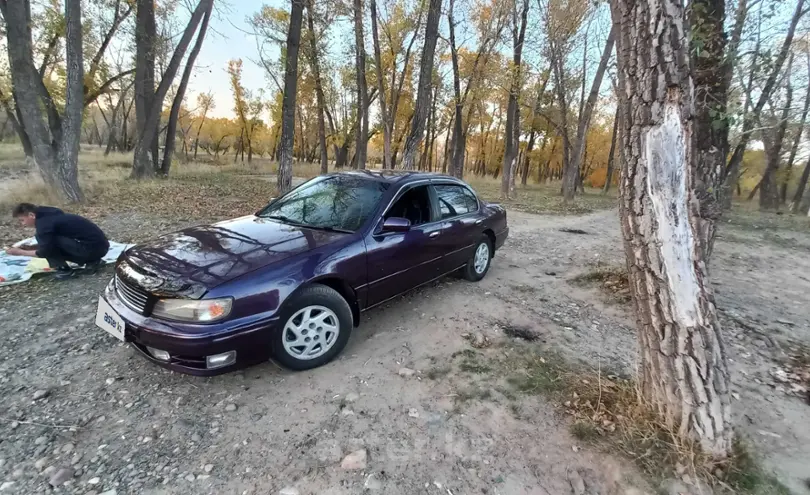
<point>228,39</point>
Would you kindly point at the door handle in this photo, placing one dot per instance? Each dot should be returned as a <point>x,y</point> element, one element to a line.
<point>479,222</point>
<point>434,234</point>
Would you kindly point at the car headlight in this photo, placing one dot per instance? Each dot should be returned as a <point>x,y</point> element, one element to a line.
<point>193,310</point>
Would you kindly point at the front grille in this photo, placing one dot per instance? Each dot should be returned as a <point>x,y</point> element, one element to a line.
<point>133,296</point>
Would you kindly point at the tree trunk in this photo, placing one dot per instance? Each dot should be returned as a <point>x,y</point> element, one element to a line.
<point>512,135</point>
<point>796,139</point>
<point>570,173</point>
<point>423,94</point>
<point>797,197</point>
<point>68,155</point>
<point>284,181</point>
<point>174,113</point>
<point>386,124</point>
<point>733,168</point>
<point>683,369</point>
<point>316,72</point>
<point>145,46</point>
<point>54,153</point>
<point>151,103</point>
<point>712,77</point>
<point>361,134</point>
<point>587,110</point>
<point>611,153</point>
<point>768,192</point>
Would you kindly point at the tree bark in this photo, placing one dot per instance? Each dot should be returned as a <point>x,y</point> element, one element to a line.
<point>683,369</point>
<point>284,181</point>
<point>512,134</point>
<point>423,94</point>
<point>712,70</point>
<point>174,113</point>
<point>361,134</point>
<point>145,45</point>
<point>569,185</point>
<point>319,96</point>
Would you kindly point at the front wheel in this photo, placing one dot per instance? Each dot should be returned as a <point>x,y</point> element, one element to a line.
<point>317,322</point>
<point>478,265</point>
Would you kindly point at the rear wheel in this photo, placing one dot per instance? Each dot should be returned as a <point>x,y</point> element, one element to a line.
<point>478,264</point>
<point>316,324</point>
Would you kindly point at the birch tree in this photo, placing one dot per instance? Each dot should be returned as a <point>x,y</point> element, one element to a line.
<point>683,369</point>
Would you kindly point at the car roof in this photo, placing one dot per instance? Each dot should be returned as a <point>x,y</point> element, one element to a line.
<point>397,177</point>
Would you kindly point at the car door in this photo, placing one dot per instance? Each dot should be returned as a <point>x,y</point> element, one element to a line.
<point>459,211</point>
<point>400,261</point>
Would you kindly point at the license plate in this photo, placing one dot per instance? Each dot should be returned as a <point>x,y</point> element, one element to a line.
<point>108,320</point>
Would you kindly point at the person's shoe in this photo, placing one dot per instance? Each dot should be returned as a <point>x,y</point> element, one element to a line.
<point>63,273</point>
<point>93,266</point>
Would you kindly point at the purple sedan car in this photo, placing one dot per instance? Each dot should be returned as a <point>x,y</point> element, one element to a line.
<point>290,281</point>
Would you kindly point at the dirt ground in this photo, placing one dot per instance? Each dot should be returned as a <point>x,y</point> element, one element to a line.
<point>76,404</point>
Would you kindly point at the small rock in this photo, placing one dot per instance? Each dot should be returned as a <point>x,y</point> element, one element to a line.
<point>208,468</point>
<point>60,477</point>
<point>195,438</point>
<point>289,490</point>
<point>109,381</point>
<point>190,477</point>
<point>40,464</point>
<point>354,461</point>
<point>6,485</point>
<point>230,407</point>
<point>551,273</point>
<point>94,481</point>
<point>40,440</point>
<point>48,470</point>
<point>41,394</point>
<point>346,412</point>
<point>109,492</point>
<point>372,483</point>
<point>67,448</point>
<point>413,413</point>
<point>406,372</point>
<point>351,397</point>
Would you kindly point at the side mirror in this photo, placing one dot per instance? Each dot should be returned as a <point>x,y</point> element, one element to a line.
<point>396,224</point>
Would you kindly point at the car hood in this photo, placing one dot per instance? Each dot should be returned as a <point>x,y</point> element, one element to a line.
<point>191,261</point>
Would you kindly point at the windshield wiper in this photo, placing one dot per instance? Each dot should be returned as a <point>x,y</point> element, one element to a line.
<point>283,219</point>
<point>329,229</point>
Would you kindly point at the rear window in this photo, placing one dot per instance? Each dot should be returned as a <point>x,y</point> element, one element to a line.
<point>337,202</point>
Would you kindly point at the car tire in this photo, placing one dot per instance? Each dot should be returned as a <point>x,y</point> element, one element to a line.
<point>477,267</point>
<point>308,319</point>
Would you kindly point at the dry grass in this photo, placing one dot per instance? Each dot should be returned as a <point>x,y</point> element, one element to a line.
<point>606,412</point>
<point>611,280</point>
<point>543,198</point>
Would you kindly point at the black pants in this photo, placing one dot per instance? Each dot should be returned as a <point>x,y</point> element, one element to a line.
<point>67,249</point>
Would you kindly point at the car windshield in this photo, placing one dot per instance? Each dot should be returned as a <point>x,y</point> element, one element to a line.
<point>335,202</point>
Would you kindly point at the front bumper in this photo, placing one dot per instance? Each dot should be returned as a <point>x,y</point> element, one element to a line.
<point>189,344</point>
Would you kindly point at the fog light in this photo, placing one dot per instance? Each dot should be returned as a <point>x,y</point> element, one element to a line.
<point>220,360</point>
<point>158,354</point>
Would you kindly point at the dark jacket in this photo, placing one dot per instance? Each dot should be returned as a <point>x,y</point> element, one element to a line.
<point>53,222</point>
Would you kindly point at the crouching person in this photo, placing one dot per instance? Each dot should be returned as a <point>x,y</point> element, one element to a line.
<point>61,237</point>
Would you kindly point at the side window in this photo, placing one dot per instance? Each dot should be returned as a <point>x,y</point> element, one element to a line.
<point>413,205</point>
<point>455,200</point>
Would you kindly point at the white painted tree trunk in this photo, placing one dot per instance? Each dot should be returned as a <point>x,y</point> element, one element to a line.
<point>683,370</point>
